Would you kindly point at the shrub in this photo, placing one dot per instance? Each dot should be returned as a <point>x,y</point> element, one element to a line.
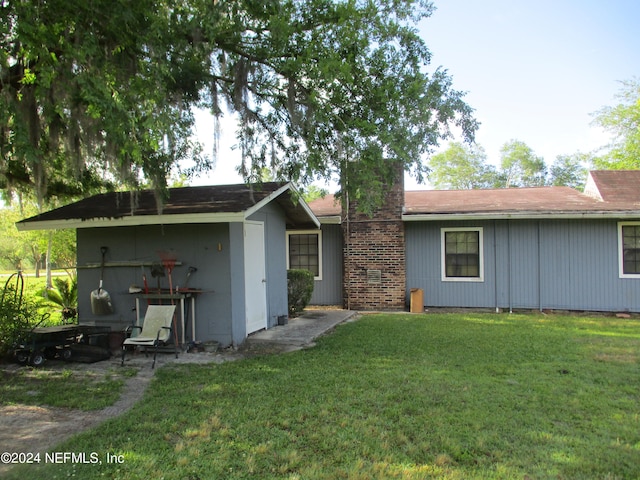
<point>65,295</point>
<point>18,315</point>
<point>300,289</point>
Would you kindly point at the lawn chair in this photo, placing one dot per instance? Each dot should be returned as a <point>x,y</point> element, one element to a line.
<point>155,332</point>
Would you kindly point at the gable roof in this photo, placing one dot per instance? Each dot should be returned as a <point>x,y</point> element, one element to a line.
<point>534,202</point>
<point>620,186</point>
<point>328,208</point>
<point>617,194</point>
<point>207,204</point>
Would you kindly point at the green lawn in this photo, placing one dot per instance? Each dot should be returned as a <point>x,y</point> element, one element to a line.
<point>459,396</point>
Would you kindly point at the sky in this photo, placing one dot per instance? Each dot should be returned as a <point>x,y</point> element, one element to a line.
<point>534,71</point>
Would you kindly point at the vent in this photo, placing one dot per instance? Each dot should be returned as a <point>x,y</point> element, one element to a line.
<point>374,276</point>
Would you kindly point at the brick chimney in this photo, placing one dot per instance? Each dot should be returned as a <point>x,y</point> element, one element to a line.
<point>374,254</point>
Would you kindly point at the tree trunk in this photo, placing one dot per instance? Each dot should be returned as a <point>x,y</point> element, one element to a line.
<point>48,259</point>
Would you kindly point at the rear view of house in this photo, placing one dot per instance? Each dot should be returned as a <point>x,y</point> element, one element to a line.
<point>225,250</point>
<point>522,248</point>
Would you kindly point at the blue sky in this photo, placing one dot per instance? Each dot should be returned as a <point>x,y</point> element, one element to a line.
<point>534,71</point>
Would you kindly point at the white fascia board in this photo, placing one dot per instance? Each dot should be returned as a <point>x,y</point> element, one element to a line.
<point>331,220</point>
<point>132,221</point>
<point>434,217</point>
<point>272,196</point>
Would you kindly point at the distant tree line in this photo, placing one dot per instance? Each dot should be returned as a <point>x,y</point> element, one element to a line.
<point>465,166</point>
<point>28,250</point>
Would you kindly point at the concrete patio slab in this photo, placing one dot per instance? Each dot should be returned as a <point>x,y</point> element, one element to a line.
<point>301,331</point>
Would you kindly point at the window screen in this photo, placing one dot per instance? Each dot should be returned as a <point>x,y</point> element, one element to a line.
<point>304,252</point>
<point>631,249</point>
<point>462,254</point>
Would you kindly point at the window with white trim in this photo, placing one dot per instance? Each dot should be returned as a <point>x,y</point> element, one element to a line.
<point>629,249</point>
<point>304,251</point>
<point>462,254</point>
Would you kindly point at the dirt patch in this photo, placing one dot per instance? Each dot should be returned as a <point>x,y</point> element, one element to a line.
<point>32,429</point>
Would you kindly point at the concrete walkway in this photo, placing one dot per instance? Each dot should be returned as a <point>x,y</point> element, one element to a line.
<point>300,332</point>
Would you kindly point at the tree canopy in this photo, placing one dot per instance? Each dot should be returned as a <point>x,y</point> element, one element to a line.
<point>570,170</point>
<point>464,166</point>
<point>623,120</point>
<point>28,249</point>
<point>521,166</point>
<point>92,93</point>
<point>461,167</point>
<point>103,91</point>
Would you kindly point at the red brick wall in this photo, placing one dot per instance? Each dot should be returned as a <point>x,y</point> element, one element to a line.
<point>375,245</point>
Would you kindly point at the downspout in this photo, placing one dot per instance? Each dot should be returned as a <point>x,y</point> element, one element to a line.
<point>347,252</point>
<point>539,270</point>
<point>509,263</point>
<point>495,267</point>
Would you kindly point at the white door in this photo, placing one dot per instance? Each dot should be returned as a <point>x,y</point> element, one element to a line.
<point>255,279</point>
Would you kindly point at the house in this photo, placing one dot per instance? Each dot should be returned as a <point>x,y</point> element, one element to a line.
<point>520,248</point>
<point>224,247</point>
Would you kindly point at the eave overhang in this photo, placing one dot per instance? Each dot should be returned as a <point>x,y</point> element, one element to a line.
<point>132,221</point>
<point>297,211</point>
<point>433,217</point>
<point>331,220</point>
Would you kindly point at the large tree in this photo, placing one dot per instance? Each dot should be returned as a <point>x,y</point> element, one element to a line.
<point>89,92</point>
<point>322,88</point>
<point>521,166</point>
<point>623,121</point>
<point>21,249</point>
<point>570,170</point>
<point>462,167</point>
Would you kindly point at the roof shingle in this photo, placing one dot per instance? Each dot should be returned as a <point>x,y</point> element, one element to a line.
<point>615,191</point>
<point>215,199</point>
<point>620,186</point>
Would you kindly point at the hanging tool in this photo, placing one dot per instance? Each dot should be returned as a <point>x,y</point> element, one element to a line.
<point>190,271</point>
<point>100,298</point>
<point>144,283</point>
<point>169,261</point>
<point>185,288</point>
<point>157,271</point>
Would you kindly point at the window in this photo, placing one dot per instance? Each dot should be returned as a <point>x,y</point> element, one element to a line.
<point>462,258</point>
<point>304,251</point>
<point>629,249</point>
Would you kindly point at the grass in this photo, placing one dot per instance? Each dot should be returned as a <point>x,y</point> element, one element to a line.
<point>33,287</point>
<point>66,387</point>
<point>32,284</point>
<point>455,396</point>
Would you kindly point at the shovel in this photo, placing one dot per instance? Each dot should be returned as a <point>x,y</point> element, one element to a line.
<point>100,298</point>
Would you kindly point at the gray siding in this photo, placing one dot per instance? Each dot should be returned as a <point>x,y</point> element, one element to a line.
<point>546,264</point>
<point>205,247</point>
<point>216,250</point>
<point>328,291</point>
<point>424,269</point>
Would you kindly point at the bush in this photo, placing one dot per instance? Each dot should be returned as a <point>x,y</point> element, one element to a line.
<point>18,315</point>
<point>65,295</point>
<point>300,289</point>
